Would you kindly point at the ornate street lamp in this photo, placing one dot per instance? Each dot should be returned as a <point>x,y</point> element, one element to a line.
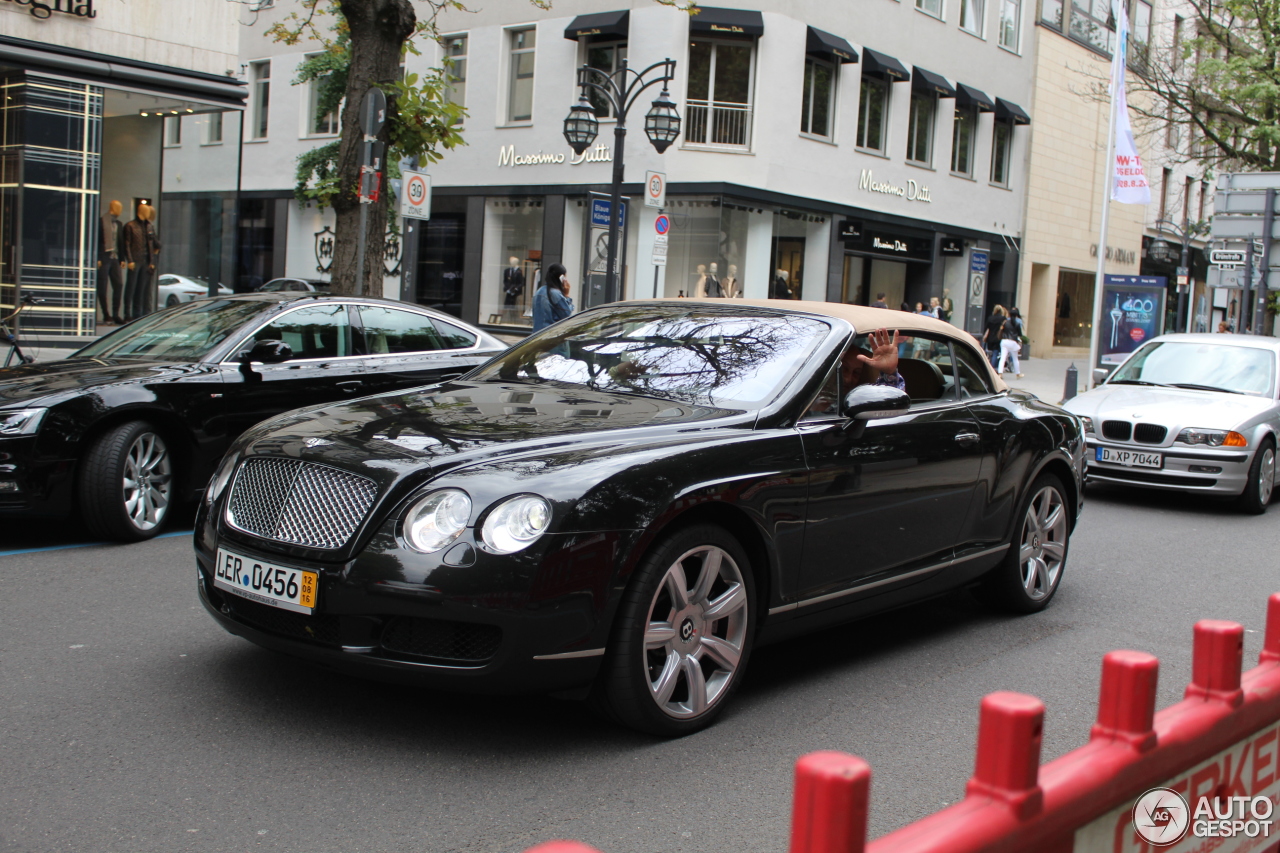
<point>661,125</point>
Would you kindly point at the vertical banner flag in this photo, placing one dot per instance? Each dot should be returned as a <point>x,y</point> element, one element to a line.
<point>1129,184</point>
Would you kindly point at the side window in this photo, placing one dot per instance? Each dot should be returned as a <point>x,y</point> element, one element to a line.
<point>390,330</point>
<point>316,331</point>
<point>924,361</point>
<point>453,337</point>
<point>972,373</point>
<point>827,402</point>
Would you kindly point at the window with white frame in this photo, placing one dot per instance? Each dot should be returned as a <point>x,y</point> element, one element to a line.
<point>606,57</point>
<point>455,50</point>
<point>172,131</point>
<point>920,127</point>
<point>873,112</point>
<point>930,7</point>
<point>718,100</point>
<point>213,129</point>
<point>971,12</point>
<point>1001,147</point>
<point>320,122</point>
<point>817,101</point>
<point>260,74</point>
<point>964,132</point>
<point>1010,24</point>
<point>521,44</point>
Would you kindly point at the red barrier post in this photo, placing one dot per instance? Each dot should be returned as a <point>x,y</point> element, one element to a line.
<point>562,847</point>
<point>1216,660</point>
<point>829,810</point>
<point>1271,645</point>
<point>1127,699</point>
<point>1010,730</point>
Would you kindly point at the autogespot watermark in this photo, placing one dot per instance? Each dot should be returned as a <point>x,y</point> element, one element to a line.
<point>1162,817</point>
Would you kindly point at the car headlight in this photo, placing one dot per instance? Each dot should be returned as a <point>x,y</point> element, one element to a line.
<point>20,421</point>
<point>1087,423</point>
<point>516,523</point>
<point>1212,437</point>
<point>221,477</point>
<point>436,520</point>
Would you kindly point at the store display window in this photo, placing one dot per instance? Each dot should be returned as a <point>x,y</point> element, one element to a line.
<point>512,261</point>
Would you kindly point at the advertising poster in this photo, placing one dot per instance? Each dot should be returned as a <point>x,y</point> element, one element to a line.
<point>1132,314</point>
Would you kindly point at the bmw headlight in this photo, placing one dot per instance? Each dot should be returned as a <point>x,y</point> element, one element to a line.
<point>1212,437</point>
<point>1087,423</point>
<point>221,477</point>
<point>436,520</point>
<point>516,523</point>
<point>20,421</point>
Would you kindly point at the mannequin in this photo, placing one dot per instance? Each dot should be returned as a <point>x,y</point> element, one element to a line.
<point>141,248</point>
<point>110,248</point>
<point>713,287</point>
<point>512,287</point>
<point>699,288</point>
<point>780,288</point>
<point>729,284</point>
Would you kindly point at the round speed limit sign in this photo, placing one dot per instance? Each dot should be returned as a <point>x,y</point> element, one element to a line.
<point>416,200</point>
<point>417,190</point>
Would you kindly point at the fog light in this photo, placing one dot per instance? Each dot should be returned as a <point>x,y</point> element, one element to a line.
<point>1204,469</point>
<point>9,486</point>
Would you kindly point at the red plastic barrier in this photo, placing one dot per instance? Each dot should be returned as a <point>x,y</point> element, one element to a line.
<point>1221,743</point>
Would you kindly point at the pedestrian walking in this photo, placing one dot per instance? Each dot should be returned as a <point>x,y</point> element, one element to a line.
<point>991,335</point>
<point>551,303</point>
<point>1011,342</point>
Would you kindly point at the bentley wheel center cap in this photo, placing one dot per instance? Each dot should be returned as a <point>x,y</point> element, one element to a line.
<point>687,630</point>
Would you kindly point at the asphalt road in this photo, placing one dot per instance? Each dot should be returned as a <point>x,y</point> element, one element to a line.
<point>130,722</point>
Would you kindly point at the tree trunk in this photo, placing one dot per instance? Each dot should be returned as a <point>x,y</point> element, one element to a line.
<point>379,29</point>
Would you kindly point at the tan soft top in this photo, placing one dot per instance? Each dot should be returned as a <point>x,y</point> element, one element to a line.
<point>864,319</point>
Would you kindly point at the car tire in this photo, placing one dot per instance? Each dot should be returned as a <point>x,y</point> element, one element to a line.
<point>1260,483</point>
<point>669,669</point>
<point>1029,575</point>
<point>170,302</point>
<point>127,483</point>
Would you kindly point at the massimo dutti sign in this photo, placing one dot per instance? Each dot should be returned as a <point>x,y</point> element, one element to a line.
<point>911,190</point>
<point>45,8</point>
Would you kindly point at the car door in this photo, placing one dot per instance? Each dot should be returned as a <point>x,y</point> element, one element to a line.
<point>324,366</point>
<point>892,500</point>
<point>405,349</point>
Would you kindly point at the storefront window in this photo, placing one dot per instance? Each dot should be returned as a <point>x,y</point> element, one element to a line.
<point>1073,317</point>
<point>512,261</point>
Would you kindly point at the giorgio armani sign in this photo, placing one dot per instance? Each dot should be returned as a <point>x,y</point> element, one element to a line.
<point>46,8</point>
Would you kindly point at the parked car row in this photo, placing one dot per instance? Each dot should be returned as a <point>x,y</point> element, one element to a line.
<point>622,506</point>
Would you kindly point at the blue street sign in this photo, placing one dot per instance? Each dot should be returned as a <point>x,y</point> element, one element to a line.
<point>600,213</point>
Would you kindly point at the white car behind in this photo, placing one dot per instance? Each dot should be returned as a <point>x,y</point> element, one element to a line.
<point>174,289</point>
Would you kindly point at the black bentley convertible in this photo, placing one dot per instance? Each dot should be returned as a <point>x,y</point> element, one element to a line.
<point>628,502</point>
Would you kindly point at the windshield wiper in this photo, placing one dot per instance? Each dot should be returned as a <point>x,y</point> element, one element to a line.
<point>1136,382</point>
<point>1195,387</point>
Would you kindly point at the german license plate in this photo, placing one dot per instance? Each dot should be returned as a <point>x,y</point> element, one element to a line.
<point>1129,458</point>
<point>278,586</point>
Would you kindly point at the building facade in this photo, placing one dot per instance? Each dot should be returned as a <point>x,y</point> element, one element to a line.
<point>91,93</point>
<point>817,160</point>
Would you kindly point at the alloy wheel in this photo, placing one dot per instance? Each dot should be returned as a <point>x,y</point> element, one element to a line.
<point>148,481</point>
<point>1266,475</point>
<point>1043,546</point>
<point>696,632</point>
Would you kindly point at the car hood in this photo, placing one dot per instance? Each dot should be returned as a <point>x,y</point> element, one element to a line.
<point>461,422</point>
<point>43,383</point>
<point>1176,408</point>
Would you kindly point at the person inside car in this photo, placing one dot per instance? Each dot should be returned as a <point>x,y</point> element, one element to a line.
<point>860,366</point>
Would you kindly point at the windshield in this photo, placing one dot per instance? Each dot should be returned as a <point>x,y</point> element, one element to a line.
<point>1212,366</point>
<point>186,333</point>
<point>709,356</point>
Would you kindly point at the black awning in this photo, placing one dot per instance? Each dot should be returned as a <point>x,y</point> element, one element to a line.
<point>967,96</point>
<point>831,47</point>
<point>726,22</point>
<point>1009,110</point>
<point>599,26</point>
<point>927,81</point>
<point>883,65</point>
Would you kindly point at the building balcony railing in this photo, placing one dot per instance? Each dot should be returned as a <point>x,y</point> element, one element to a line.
<point>718,124</point>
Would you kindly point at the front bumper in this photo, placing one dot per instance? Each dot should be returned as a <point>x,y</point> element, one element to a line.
<point>41,485</point>
<point>1223,471</point>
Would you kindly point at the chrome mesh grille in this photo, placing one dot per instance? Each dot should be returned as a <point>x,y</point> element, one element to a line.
<point>298,502</point>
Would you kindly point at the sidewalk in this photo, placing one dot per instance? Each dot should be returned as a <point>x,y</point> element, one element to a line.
<point>1046,377</point>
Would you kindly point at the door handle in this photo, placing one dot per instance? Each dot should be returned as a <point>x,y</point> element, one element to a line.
<point>351,386</point>
<point>967,438</point>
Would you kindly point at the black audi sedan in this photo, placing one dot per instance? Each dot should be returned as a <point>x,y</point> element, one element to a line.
<point>136,421</point>
<point>626,503</point>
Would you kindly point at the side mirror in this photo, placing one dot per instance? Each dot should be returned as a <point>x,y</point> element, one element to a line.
<point>266,352</point>
<point>1100,375</point>
<point>874,401</point>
